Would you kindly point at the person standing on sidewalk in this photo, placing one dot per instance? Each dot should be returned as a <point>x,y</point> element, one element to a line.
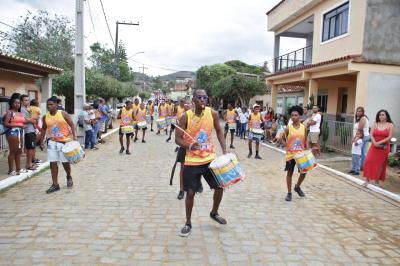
<point>230,118</point>
<point>200,152</point>
<point>362,123</point>
<point>89,119</point>
<point>254,123</point>
<point>356,153</point>
<point>60,129</point>
<point>313,136</point>
<point>29,132</point>
<point>296,143</point>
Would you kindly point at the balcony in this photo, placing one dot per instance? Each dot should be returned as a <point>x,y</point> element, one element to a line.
<point>300,57</point>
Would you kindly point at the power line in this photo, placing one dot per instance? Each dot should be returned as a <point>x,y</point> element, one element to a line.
<point>1,22</point>
<point>105,17</point>
<point>158,67</point>
<point>91,19</point>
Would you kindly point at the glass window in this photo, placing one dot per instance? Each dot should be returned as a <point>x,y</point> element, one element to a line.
<point>2,91</point>
<point>336,22</point>
<point>323,102</point>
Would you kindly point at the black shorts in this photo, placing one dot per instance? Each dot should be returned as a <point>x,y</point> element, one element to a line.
<point>137,128</point>
<point>192,175</point>
<point>180,157</point>
<point>127,135</point>
<point>30,141</point>
<point>227,128</point>
<point>172,126</point>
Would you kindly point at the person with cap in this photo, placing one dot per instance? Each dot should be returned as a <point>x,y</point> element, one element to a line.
<point>89,119</point>
<point>254,123</point>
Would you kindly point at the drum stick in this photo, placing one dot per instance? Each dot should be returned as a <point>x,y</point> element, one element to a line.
<point>187,134</point>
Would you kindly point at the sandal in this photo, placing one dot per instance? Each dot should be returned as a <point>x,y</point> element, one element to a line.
<point>12,173</point>
<point>32,168</point>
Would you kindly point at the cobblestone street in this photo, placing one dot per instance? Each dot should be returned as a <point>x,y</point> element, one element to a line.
<point>123,211</point>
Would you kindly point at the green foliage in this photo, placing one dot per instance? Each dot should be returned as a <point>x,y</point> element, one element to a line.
<point>144,95</point>
<point>64,85</point>
<point>207,76</point>
<point>393,161</point>
<point>44,38</point>
<point>311,102</point>
<point>325,135</point>
<point>157,83</point>
<point>242,67</point>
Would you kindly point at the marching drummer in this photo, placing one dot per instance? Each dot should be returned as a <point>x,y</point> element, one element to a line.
<point>196,138</point>
<point>176,113</point>
<point>295,143</point>
<point>162,114</point>
<point>127,117</point>
<point>150,112</point>
<point>254,125</point>
<point>140,122</point>
<point>60,129</point>
<point>230,119</point>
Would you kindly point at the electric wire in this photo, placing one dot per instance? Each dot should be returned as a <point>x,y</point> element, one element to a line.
<point>105,17</point>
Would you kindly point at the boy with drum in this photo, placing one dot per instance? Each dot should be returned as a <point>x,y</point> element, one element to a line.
<point>230,119</point>
<point>255,131</point>
<point>140,122</point>
<point>127,117</point>
<point>196,138</point>
<point>296,143</point>
<point>60,129</point>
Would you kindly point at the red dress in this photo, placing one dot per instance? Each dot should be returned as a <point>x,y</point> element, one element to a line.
<point>376,160</point>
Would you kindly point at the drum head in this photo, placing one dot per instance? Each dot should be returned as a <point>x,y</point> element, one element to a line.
<point>222,160</point>
<point>69,146</point>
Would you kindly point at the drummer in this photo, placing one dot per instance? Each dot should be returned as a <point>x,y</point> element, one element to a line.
<point>127,117</point>
<point>254,123</point>
<point>200,152</point>
<point>60,129</point>
<point>140,118</point>
<point>296,143</point>
<point>230,119</point>
<point>177,113</point>
<point>162,113</point>
<point>150,111</point>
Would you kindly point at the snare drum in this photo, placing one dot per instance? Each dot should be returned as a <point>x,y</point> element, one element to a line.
<point>227,170</point>
<point>173,120</point>
<point>232,126</point>
<point>161,124</point>
<point>142,125</point>
<point>305,161</point>
<point>73,152</point>
<point>127,129</point>
<point>256,134</point>
<point>148,118</point>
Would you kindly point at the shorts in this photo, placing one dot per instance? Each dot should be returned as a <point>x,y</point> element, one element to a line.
<point>252,138</point>
<point>127,134</point>
<point>15,132</point>
<point>313,137</point>
<point>54,152</point>
<point>173,126</point>
<point>30,141</point>
<point>137,128</point>
<point>192,175</point>
<point>290,165</point>
<point>227,128</point>
<point>180,157</point>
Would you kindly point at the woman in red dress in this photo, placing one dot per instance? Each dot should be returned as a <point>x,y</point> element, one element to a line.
<point>376,161</point>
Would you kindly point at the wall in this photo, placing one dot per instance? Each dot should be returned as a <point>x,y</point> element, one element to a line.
<point>384,97</point>
<point>332,87</point>
<point>14,82</point>
<point>382,32</point>
<point>266,98</point>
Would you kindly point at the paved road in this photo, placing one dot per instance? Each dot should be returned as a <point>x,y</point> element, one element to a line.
<point>122,211</point>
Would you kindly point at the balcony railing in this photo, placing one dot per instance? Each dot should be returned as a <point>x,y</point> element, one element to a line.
<point>293,59</point>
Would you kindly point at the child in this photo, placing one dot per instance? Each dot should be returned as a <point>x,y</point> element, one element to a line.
<point>356,152</point>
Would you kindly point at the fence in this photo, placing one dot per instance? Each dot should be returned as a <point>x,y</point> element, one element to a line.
<point>337,136</point>
<point>3,140</point>
<point>293,59</point>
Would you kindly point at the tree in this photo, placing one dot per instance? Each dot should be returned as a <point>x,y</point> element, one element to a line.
<point>207,76</point>
<point>64,85</point>
<point>44,38</point>
<point>242,67</point>
<point>157,83</point>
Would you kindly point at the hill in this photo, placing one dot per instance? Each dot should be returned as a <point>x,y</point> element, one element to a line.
<point>178,75</point>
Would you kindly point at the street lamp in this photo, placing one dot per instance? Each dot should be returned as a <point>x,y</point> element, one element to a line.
<point>135,55</point>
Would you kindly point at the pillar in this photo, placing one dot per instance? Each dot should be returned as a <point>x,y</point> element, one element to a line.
<point>276,51</point>
<point>47,91</point>
<point>313,90</point>
<point>274,94</point>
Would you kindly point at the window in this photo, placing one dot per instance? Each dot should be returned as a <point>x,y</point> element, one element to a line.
<point>32,95</point>
<point>336,22</point>
<point>323,102</point>
<point>2,91</point>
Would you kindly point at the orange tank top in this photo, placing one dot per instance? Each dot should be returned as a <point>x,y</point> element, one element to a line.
<point>255,121</point>
<point>163,111</point>
<point>57,127</point>
<point>170,109</point>
<point>200,129</point>
<point>126,117</point>
<point>141,115</point>
<point>296,141</point>
<point>150,109</point>
<point>179,112</point>
<point>230,116</point>
<point>17,119</point>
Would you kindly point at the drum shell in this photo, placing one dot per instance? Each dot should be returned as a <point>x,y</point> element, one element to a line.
<point>161,123</point>
<point>229,173</point>
<point>74,155</point>
<point>305,161</point>
<point>127,129</point>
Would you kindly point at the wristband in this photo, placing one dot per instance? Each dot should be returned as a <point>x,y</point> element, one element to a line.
<point>190,146</point>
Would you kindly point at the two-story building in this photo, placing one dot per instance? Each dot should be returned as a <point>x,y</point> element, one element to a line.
<point>351,57</point>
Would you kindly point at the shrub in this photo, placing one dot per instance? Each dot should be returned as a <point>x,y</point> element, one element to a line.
<point>393,161</point>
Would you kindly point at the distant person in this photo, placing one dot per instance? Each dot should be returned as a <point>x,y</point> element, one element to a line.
<point>377,157</point>
<point>59,105</point>
<point>313,136</point>
<point>29,133</point>
<point>362,123</point>
<point>254,125</point>
<point>89,119</point>
<point>243,123</point>
<point>356,147</point>
<point>230,122</point>
<point>127,117</point>
<point>104,115</point>
<point>35,112</point>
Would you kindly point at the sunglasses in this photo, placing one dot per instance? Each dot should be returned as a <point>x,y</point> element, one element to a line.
<point>202,97</point>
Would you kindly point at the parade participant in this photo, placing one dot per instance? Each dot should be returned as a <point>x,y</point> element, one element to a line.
<point>127,117</point>
<point>60,129</point>
<point>150,111</point>
<point>162,113</point>
<point>230,119</point>
<point>313,136</point>
<point>200,151</point>
<point>140,116</point>
<point>135,105</point>
<point>29,132</point>
<point>296,143</point>
<point>254,123</point>
<point>177,113</point>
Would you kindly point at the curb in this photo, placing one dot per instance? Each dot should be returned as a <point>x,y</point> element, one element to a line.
<point>13,180</point>
<point>350,178</point>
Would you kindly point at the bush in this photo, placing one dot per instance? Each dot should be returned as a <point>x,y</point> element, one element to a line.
<point>393,161</point>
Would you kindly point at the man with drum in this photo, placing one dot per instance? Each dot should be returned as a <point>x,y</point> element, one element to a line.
<point>230,119</point>
<point>141,123</point>
<point>162,114</point>
<point>150,112</point>
<point>177,111</point>
<point>255,131</point>
<point>126,126</point>
<point>60,129</point>
<point>196,138</point>
<point>296,143</point>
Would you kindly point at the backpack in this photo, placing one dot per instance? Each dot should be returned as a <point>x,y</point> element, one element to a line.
<point>81,120</point>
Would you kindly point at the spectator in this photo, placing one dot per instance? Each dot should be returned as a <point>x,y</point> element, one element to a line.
<point>313,136</point>
<point>29,132</point>
<point>59,105</point>
<point>96,123</point>
<point>356,152</point>
<point>104,116</point>
<point>35,112</point>
<point>362,123</point>
<point>89,120</point>
<point>243,123</point>
<point>376,160</point>
<point>237,120</point>
<point>268,119</point>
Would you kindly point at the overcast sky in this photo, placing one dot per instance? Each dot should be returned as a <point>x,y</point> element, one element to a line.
<point>174,34</point>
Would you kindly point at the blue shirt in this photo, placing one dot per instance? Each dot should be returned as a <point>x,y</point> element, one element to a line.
<point>103,109</point>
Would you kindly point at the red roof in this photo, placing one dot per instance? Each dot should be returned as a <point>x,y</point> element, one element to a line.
<point>332,61</point>
<point>275,7</point>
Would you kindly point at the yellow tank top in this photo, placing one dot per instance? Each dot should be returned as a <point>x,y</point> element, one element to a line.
<point>163,111</point>
<point>170,109</point>
<point>296,141</point>
<point>126,117</point>
<point>141,115</point>
<point>179,112</point>
<point>200,129</point>
<point>150,109</point>
<point>57,127</point>
<point>135,107</point>
<point>230,116</point>
<point>255,121</point>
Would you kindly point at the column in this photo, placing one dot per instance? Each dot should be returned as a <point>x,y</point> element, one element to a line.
<point>276,52</point>
<point>274,94</point>
<point>47,91</point>
<point>313,90</point>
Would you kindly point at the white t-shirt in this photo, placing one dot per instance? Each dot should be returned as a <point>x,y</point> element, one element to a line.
<point>315,128</point>
<point>242,118</point>
<point>356,149</point>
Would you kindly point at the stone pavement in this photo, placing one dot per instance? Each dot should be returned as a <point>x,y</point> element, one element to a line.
<point>122,211</point>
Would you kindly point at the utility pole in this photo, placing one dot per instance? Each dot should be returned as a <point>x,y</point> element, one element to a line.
<point>79,66</point>
<point>143,68</point>
<point>116,68</point>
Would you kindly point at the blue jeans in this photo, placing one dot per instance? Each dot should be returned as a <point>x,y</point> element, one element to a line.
<point>364,150</point>
<point>355,162</point>
<point>96,128</point>
<point>242,130</point>
<point>90,139</point>
<point>237,126</point>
